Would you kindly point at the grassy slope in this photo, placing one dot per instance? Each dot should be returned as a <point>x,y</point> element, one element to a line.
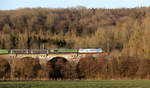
<point>78,84</point>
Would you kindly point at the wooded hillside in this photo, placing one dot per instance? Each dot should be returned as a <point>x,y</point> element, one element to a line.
<point>118,31</point>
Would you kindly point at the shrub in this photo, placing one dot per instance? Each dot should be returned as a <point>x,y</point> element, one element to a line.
<point>87,67</point>
<point>26,68</point>
<point>144,69</point>
<point>4,68</point>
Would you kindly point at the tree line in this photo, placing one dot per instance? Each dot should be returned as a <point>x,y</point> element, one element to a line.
<point>102,67</point>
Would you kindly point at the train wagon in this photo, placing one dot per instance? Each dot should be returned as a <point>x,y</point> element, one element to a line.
<point>38,51</point>
<point>4,51</point>
<point>63,50</point>
<point>18,51</point>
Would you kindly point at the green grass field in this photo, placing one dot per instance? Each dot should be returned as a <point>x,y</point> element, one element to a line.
<point>77,84</point>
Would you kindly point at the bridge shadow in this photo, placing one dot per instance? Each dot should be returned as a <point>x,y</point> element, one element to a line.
<point>55,67</point>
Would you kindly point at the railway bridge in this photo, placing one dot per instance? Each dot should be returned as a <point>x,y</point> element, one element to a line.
<point>44,55</point>
<point>44,58</point>
<point>56,58</point>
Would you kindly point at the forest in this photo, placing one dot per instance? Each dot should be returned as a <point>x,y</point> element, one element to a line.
<point>124,34</point>
<point>119,30</point>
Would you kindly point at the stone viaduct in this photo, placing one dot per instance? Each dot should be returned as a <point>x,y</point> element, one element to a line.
<point>44,58</point>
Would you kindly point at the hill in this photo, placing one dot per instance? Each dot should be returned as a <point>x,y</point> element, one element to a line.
<point>124,31</point>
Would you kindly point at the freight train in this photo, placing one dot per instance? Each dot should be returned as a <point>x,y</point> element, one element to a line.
<point>48,51</point>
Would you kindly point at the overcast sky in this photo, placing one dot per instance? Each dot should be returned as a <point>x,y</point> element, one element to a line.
<point>14,4</point>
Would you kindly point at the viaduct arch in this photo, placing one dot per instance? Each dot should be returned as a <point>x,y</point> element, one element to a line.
<point>56,64</point>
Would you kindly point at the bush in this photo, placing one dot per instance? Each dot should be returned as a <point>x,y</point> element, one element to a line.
<point>87,67</point>
<point>26,68</point>
<point>144,69</point>
<point>69,70</point>
<point>4,68</point>
<point>123,67</point>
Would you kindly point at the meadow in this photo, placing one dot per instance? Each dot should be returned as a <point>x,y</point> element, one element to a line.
<point>77,84</point>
